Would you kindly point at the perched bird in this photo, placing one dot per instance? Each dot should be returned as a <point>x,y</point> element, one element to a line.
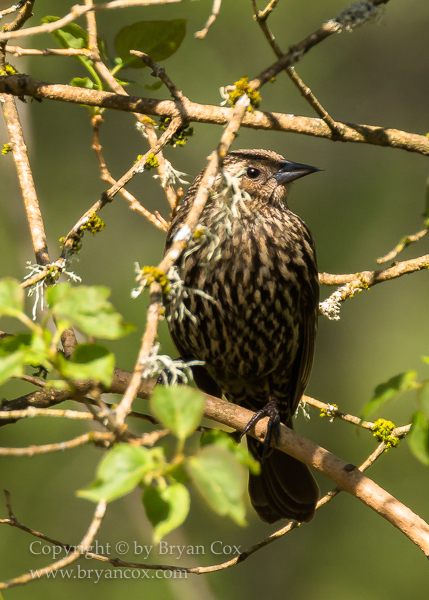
<point>246,304</point>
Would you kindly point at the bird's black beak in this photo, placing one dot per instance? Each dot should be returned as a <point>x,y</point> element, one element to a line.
<point>289,171</point>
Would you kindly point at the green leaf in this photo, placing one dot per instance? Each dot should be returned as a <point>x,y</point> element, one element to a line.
<point>89,361</point>
<point>418,438</point>
<point>179,408</point>
<point>88,309</point>
<point>424,397</point>
<point>57,384</point>
<point>119,472</point>
<point>166,508</point>
<point>83,82</point>
<point>73,36</point>
<point>221,480</point>
<point>19,350</point>
<point>179,473</point>
<point>69,36</point>
<point>158,39</point>
<point>388,390</point>
<point>223,440</point>
<point>155,86</point>
<point>11,365</point>
<point>11,297</point>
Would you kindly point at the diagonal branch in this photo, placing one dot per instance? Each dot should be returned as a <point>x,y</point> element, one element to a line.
<point>347,19</point>
<point>82,548</point>
<point>25,178</point>
<point>347,477</point>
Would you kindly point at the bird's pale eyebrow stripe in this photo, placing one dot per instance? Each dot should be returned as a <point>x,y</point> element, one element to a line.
<point>250,157</point>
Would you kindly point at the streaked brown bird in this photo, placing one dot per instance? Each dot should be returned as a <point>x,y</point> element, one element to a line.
<point>246,304</point>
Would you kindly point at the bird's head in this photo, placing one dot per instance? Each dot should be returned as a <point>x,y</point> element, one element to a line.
<point>266,176</point>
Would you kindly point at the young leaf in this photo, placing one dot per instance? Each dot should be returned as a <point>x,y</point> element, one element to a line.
<point>221,481</point>
<point>159,39</point>
<point>223,440</point>
<point>83,82</point>
<point>179,408</point>
<point>20,350</point>
<point>11,297</point>
<point>70,35</point>
<point>418,438</point>
<point>88,309</point>
<point>89,361</point>
<point>11,365</point>
<point>166,508</point>
<point>424,398</point>
<point>155,86</point>
<point>119,472</point>
<point>388,390</point>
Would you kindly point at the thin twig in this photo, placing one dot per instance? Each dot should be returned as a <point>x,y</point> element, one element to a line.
<point>82,548</point>
<point>212,18</point>
<point>91,25</point>
<point>148,128</point>
<point>261,18</point>
<point>32,412</point>
<point>333,411</point>
<point>264,14</point>
<point>18,51</point>
<point>7,11</point>
<point>25,177</point>
<point>105,199</point>
<point>352,284</point>
<point>135,205</point>
<point>406,241</point>
<point>79,10</point>
<point>92,437</point>
<point>13,522</point>
<point>314,102</point>
<point>153,315</point>
<point>32,380</point>
<point>161,73</point>
<point>296,52</point>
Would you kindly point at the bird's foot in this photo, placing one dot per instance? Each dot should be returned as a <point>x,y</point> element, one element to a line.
<point>270,410</point>
<point>166,377</point>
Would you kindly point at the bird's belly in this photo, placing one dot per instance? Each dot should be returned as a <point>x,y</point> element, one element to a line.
<point>241,330</point>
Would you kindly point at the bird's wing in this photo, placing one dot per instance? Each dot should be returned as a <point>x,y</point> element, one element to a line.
<point>301,368</point>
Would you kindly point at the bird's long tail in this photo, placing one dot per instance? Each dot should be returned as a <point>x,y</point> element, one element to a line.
<point>285,489</point>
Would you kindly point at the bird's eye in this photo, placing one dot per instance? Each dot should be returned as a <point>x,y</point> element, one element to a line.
<point>253,173</point>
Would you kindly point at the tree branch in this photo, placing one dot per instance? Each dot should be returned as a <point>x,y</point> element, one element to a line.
<point>347,477</point>
<point>19,85</point>
<point>355,283</point>
<point>25,178</point>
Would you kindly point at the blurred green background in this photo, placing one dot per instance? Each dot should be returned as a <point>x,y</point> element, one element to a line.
<point>358,208</point>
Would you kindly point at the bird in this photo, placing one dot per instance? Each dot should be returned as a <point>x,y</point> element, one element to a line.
<point>245,307</point>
